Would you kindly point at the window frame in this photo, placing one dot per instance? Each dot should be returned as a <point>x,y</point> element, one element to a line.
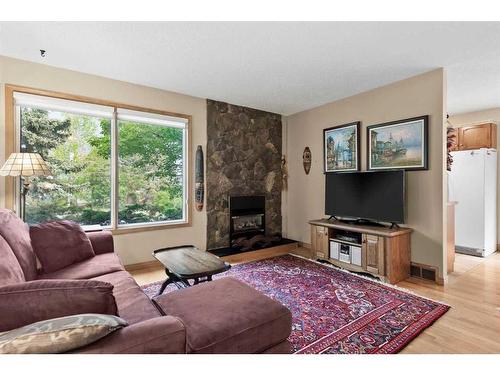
<point>12,144</point>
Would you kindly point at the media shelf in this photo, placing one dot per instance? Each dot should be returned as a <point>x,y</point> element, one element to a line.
<point>381,251</point>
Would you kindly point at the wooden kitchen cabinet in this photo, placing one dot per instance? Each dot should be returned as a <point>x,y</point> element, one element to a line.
<point>473,137</point>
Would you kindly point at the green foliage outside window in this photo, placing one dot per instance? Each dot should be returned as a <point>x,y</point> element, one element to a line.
<point>77,148</point>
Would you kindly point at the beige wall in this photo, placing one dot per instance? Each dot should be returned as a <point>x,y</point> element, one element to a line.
<point>420,95</point>
<point>136,247</point>
<point>481,117</point>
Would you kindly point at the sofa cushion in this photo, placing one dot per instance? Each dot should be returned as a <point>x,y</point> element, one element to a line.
<point>162,335</point>
<point>133,305</point>
<point>10,270</point>
<point>59,244</point>
<point>59,335</point>
<point>227,316</point>
<point>33,301</point>
<point>16,234</point>
<point>96,266</point>
<point>102,241</point>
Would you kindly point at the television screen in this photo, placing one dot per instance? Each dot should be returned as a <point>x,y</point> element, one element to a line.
<point>378,196</point>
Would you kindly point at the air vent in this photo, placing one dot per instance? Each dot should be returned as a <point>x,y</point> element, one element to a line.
<point>423,271</point>
<point>429,274</point>
<point>416,271</point>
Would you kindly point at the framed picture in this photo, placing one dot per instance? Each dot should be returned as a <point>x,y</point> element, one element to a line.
<point>341,146</point>
<point>399,144</point>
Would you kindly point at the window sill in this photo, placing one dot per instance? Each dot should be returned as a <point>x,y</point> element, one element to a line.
<point>137,228</point>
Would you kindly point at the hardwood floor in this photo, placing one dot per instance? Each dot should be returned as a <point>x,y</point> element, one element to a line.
<point>148,274</point>
<point>472,325</point>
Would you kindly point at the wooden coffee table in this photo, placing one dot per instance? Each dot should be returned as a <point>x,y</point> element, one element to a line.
<point>184,263</point>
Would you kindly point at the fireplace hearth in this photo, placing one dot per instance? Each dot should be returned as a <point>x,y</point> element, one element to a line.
<point>256,242</point>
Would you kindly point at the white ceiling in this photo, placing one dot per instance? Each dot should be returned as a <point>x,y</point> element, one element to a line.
<point>279,67</point>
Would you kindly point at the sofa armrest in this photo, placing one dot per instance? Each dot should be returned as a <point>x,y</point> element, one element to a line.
<point>102,242</point>
<point>34,301</point>
<point>161,335</point>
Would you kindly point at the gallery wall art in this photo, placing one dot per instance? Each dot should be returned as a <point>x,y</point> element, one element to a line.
<point>401,144</point>
<point>342,148</point>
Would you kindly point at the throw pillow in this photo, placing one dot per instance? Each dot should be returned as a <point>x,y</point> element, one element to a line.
<point>59,244</point>
<point>33,301</point>
<point>16,233</point>
<point>10,269</point>
<point>59,335</point>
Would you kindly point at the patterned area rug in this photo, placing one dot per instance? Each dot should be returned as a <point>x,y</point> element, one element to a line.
<point>335,311</point>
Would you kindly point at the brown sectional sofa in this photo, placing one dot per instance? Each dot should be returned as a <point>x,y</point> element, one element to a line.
<point>222,316</point>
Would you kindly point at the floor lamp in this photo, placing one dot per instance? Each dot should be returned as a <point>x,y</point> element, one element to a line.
<point>25,165</point>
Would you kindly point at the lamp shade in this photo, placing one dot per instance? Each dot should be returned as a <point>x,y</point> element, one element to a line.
<point>25,164</point>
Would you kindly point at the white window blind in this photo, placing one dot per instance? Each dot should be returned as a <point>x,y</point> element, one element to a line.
<point>151,118</point>
<point>62,105</point>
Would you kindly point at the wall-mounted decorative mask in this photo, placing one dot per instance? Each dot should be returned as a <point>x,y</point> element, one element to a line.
<point>199,180</point>
<point>284,171</point>
<point>307,159</point>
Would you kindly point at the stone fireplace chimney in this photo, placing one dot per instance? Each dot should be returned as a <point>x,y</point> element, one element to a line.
<point>243,159</point>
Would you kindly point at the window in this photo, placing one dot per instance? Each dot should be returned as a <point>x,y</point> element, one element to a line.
<point>111,166</point>
<point>150,168</point>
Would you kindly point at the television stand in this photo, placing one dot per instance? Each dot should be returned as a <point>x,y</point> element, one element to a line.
<point>362,222</point>
<point>378,250</point>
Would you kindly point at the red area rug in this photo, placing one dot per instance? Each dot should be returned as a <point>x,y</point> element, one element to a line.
<point>335,311</point>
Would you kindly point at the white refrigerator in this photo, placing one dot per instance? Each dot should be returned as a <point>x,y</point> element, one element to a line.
<point>473,184</point>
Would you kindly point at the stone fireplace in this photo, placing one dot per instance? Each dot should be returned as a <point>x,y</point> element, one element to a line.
<point>243,159</point>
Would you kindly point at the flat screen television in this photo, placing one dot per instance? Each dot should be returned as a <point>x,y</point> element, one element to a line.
<point>375,196</point>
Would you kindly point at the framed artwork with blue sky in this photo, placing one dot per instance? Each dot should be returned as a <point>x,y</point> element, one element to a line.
<point>401,144</point>
<point>342,148</point>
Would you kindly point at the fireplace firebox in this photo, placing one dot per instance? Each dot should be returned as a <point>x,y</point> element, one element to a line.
<point>247,217</point>
<point>247,227</point>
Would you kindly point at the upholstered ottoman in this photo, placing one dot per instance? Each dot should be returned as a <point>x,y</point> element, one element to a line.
<point>228,316</point>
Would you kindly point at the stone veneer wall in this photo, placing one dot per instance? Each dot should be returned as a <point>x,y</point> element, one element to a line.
<point>243,157</point>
